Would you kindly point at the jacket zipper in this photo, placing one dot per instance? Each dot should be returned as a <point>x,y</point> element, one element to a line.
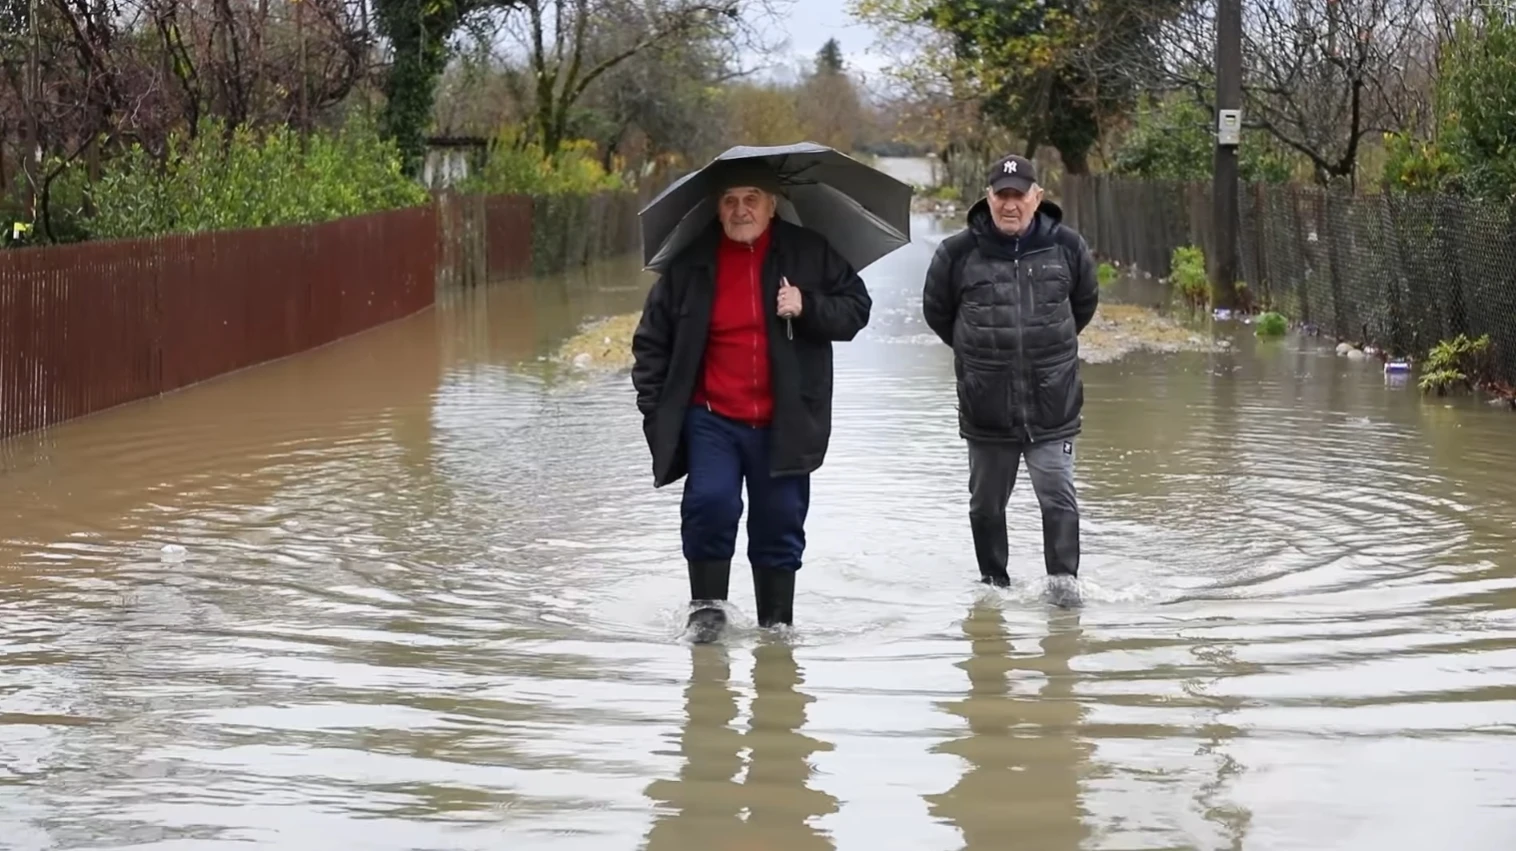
<point>1024,294</point>
<point>757,318</point>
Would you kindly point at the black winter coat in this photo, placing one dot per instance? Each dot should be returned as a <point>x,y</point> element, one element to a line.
<point>1012,309</point>
<point>668,347</point>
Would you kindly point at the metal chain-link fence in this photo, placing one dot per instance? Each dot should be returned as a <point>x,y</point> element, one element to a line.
<point>1401,272</point>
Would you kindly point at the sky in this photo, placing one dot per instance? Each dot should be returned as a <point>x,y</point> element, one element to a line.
<point>809,23</point>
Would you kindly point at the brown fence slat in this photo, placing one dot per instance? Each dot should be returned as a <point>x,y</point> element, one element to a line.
<point>507,235</point>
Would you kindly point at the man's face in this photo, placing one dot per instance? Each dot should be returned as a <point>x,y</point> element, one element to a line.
<point>1012,209</point>
<point>745,212</point>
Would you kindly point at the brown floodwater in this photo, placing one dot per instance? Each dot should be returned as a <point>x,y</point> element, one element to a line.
<point>415,591</point>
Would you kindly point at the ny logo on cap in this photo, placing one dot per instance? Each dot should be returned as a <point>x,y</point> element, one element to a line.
<point>1010,166</point>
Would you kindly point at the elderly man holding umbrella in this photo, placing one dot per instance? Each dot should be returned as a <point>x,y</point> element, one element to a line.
<point>733,354</point>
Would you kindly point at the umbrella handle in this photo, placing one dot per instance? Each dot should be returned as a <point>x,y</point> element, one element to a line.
<point>789,329</point>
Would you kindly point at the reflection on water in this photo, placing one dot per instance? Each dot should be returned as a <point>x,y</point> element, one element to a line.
<point>720,800</point>
<point>415,591</point>
<point>1023,751</point>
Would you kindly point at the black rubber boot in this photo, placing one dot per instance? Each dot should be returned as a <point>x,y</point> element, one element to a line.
<point>709,581</point>
<point>774,589</point>
<point>1060,542</point>
<point>1060,547</point>
<point>991,549</point>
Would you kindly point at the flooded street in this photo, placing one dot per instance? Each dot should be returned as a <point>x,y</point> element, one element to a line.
<point>415,591</point>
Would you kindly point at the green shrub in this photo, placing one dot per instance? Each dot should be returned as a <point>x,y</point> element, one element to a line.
<point>517,167</point>
<point>1457,362</point>
<point>1106,274</point>
<point>1244,296</point>
<point>1473,149</point>
<point>1272,324</point>
<point>946,193</point>
<point>251,180</point>
<point>1189,277</point>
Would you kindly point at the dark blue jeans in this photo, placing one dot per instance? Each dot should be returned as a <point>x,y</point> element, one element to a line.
<point>722,453</point>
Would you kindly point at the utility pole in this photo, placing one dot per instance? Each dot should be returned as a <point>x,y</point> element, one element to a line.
<point>1224,182</point>
<point>33,161</point>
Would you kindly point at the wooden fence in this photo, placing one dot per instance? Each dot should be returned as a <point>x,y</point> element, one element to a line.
<point>491,238</point>
<point>90,326</point>
<point>1402,272</point>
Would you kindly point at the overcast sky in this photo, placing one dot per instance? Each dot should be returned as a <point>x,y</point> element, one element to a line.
<point>809,23</point>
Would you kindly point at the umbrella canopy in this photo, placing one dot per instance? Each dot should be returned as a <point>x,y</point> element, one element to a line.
<point>863,212</point>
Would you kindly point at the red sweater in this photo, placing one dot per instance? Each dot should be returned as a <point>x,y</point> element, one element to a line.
<point>735,382</point>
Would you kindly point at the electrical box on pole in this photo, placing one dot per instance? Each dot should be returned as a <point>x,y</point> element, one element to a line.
<point>1229,127</point>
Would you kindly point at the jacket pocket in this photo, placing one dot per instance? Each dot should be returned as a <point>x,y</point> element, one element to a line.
<point>813,359</point>
<point>984,392</point>
<point>1058,392</point>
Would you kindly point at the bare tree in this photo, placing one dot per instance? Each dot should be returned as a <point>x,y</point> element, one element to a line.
<point>1322,76</point>
<point>564,40</point>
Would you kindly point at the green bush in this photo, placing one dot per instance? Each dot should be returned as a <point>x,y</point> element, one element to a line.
<point>1457,362</point>
<point>1189,277</point>
<point>1106,274</point>
<point>1272,324</point>
<point>1244,296</point>
<point>1474,149</point>
<point>516,167</point>
<point>250,180</point>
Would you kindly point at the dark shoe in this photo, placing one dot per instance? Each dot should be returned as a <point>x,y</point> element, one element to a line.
<point>998,580</point>
<point>1063,591</point>
<point>774,589</point>
<point>709,581</point>
<point>706,624</point>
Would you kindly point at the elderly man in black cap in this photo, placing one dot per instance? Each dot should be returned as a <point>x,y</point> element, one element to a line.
<point>733,372</point>
<point>1011,294</point>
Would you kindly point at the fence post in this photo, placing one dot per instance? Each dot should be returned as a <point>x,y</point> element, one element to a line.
<point>1329,207</point>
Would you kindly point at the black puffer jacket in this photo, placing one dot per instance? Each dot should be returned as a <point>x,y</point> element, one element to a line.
<point>1012,309</point>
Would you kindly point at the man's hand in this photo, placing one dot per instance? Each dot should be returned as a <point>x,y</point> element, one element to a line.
<point>789,300</point>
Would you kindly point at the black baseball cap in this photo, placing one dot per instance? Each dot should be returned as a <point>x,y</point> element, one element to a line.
<point>1013,172</point>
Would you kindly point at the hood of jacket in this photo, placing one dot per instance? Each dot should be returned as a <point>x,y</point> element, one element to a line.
<point>994,242</point>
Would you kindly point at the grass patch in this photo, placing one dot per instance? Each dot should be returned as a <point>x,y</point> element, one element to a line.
<point>603,345</point>
<point>1120,329</point>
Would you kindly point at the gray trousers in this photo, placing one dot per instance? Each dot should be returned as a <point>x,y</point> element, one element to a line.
<point>992,476</point>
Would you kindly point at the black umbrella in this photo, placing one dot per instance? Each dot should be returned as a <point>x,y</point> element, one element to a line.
<point>863,212</point>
